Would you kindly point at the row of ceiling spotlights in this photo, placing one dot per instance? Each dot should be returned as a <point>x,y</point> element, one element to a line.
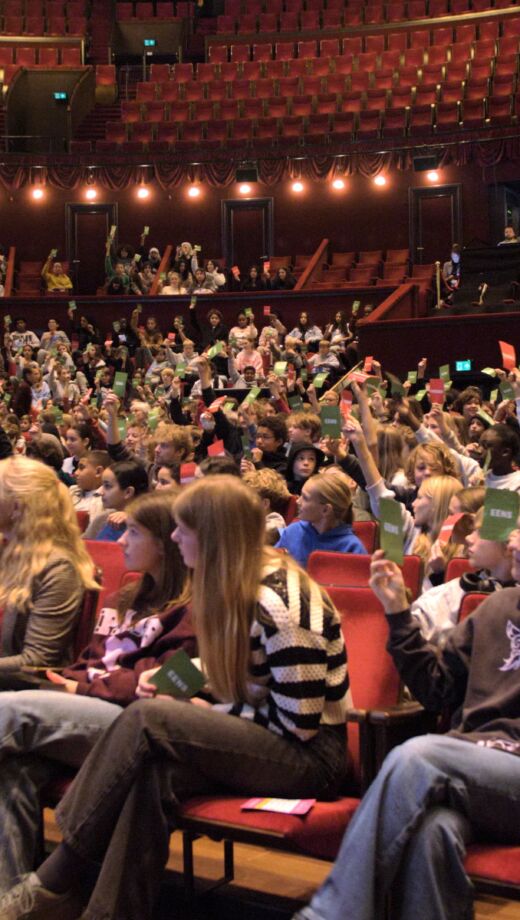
<point>194,191</point>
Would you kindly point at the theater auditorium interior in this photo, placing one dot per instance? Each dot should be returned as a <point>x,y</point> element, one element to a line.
<point>352,143</point>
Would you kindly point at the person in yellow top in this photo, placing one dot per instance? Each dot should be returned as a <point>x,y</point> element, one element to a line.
<point>56,280</point>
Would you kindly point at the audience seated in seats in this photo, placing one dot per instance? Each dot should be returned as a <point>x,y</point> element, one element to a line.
<point>21,336</point>
<point>244,330</point>
<point>138,629</point>
<point>450,788</point>
<point>255,281</point>
<point>303,461</point>
<point>274,495</point>
<point>325,520</point>
<point>215,278</point>
<point>121,483</point>
<point>45,567</point>
<point>510,236</point>
<point>174,286</point>
<point>86,494</point>
<point>56,280</point>
<point>239,736</point>
<point>282,281</point>
<point>305,331</point>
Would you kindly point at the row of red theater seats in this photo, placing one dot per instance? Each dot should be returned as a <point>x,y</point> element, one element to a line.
<point>40,25</point>
<point>331,61</point>
<point>43,8</point>
<point>172,97</point>
<point>322,104</point>
<point>413,9</point>
<point>312,20</point>
<point>42,56</point>
<point>397,41</point>
<point>394,122</point>
<point>183,9</point>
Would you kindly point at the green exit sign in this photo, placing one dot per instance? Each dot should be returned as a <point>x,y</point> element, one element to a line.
<point>149,43</point>
<point>463,365</point>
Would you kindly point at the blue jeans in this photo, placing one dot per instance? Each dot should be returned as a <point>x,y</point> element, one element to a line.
<point>407,840</point>
<point>39,731</point>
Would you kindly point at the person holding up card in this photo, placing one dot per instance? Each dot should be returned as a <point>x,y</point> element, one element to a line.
<point>437,610</point>
<point>325,358</point>
<point>270,721</point>
<point>430,508</point>
<point>305,331</point>
<point>244,330</point>
<point>435,793</point>
<point>255,281</point>
<point>56,280</point>
<point>283,280</point>
<point>140,627</point>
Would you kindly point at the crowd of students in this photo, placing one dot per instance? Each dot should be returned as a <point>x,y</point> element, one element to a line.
<point>117,432</point>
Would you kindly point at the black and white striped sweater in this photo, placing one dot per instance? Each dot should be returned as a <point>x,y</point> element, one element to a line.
<point>299,677</point>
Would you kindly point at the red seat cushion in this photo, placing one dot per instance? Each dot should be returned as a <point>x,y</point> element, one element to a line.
<point>494,862</point>
<point>319,833</point>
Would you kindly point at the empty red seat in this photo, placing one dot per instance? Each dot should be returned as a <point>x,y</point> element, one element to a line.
<point>447,116</point>
<point>71,57</point>
<point>105,74</point>
<point>240,53</point>
<point>13,25</point>
<point>26,57</point>
<point>421,120</point>
<point>332,19</point>
<point>395,121</point>
<point>226,24</point>
<point>267,22</point>
<point>307,49</point>
<point>284,51</point>
<point>218,54</point>
<point>130,111</point>
<point>115,132</point>
<point>261,52</point>
<point>266,129</point>
<point>310,20</point>
<point>34,25</point>
<point>48,56</point>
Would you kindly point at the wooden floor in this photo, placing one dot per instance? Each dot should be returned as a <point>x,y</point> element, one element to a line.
<point>268,885</point>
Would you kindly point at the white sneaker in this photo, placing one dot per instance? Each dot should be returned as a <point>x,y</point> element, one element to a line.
<point>29,900</point>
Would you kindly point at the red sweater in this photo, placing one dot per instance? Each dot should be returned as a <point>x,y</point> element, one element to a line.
<point>110,667</point>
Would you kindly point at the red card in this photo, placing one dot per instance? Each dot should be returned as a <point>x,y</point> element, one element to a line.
<point>216,449</point>
<point>187,472</point>
<point>235,270</point>
<point>108,343</point>
<point>508,355</point>
<point>448,527</point>
<point>358,376</point>
<point>87,396</point>
<point>217,403</point>
<point>267,266</point>
<point>345,403</point>
<point>171,336</point>
<point>436,391</point>
<point>291,372</point>
<point>367,367</point>
<point>267,310</point>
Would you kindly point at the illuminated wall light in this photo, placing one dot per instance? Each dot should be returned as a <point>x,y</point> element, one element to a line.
<point>244,189</point>
<point>37,194</point>
<point>91,194</point>
<point>338,184</point>
<point>194,191</point>
<point>143,192</point>
<point>297,186</point>
<point>380,180</point>
<point>432,175</point>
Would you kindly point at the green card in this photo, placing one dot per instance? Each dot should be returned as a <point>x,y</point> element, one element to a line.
<point>396,387</point>
<point>153,419</point>
<point>72,305</point>
<point>355,307</point>
<point>215,350</point>
<point>121,427</point>
<point>320,379</point>
<point>330,421</point>
<point>253,394</point>
<point>248,311</point>
<point>304,374</point>
<point>119,385</point>
<point>412,376</point>
<point>444,372</point>
<point>178,677</point>
<point>507,390</point>
<point>490,371</point>
<point>228,406</point>
<point>295,402</point>
<point>482,414</point>
<point>136,381</point>
<point>391,529</point>
<point>246,449</point>
<point>280,368</point>
<point>180,370</point>
<point>487,462</point>
<point>501,508</point>
<point>493,396</point>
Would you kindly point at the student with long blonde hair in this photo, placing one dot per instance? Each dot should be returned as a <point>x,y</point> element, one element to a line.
<point>142,626</point>
<point>44,567</point>
<point>270,722</point>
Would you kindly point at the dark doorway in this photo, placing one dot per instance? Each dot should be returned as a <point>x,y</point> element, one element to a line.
<point>247,231</point>
<point>435,222</point>
<point>88,226</point>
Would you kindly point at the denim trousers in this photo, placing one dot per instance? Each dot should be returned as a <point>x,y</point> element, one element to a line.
<point>433,795</point>
<point>120,810</point>
<point>40,730</point>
